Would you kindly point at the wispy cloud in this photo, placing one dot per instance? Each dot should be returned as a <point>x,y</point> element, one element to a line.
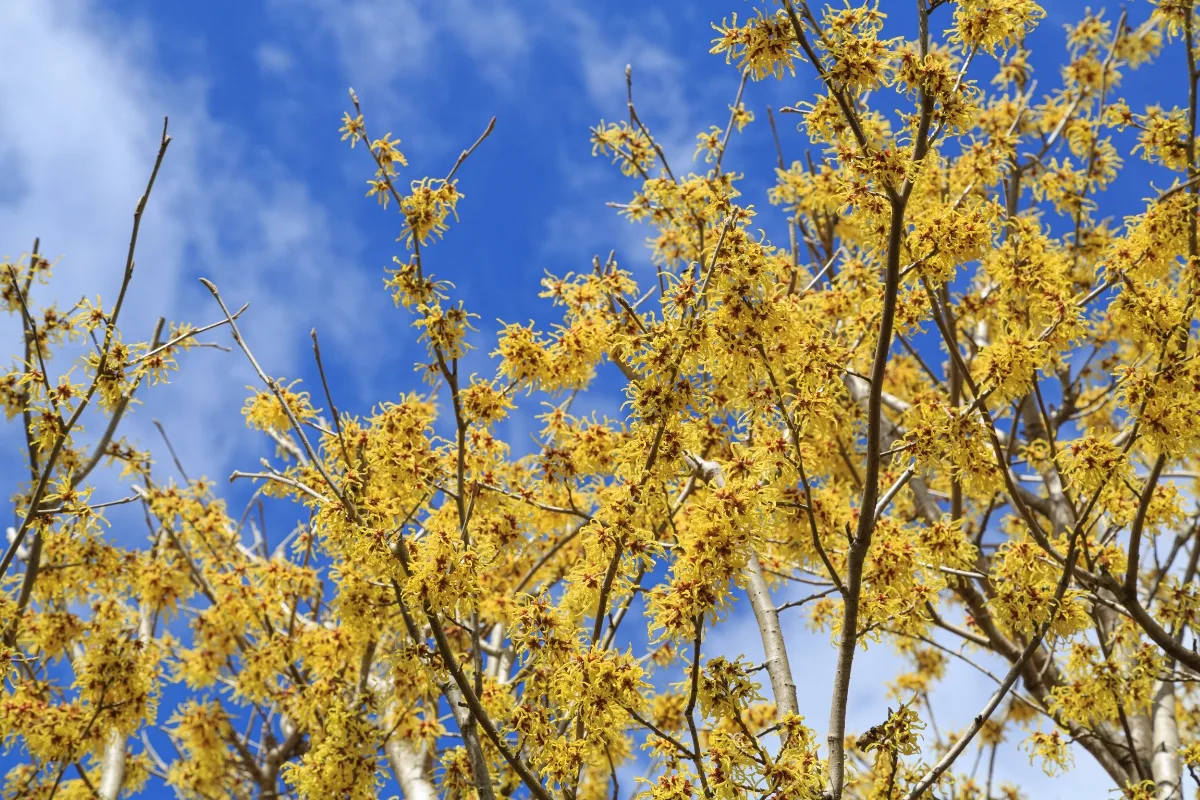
<point>660,79</point>
<point>274,59</point>
<point>383,46</point>
<point>399,55</point>
<point>79,128</point>
<point>670,100</point>
<point>376,41</point>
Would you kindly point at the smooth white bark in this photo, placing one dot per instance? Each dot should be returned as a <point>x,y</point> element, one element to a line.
<point>774,648</point>
<point>112,771</point>
<point>408,765</point>
<point>1165,764</point>
<point>780,671</point>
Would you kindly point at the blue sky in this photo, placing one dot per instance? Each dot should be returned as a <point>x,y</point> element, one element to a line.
<point>259,195</point>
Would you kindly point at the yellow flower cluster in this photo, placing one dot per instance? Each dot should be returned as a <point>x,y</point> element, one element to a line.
<point>932,392</point>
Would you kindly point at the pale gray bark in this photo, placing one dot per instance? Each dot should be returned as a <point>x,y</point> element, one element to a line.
<point>112,771</point>
<point>408,765</point>
<point>774,648</point>
<point>407,762</point>
<point>499,659</point>
<point>1165,763</point>
<point>778,668</point>
<point>112,768</point>
<point>462,716</point>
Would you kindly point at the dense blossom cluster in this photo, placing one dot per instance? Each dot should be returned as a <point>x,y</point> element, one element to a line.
<point>958,404</point>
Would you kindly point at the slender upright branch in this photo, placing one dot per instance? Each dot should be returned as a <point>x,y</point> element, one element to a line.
<point>32,511</point>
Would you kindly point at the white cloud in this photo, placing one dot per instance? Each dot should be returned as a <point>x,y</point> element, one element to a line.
<point>81,126</point>
<point>376,41</point>
<point>273,59</point>
<point>394,54</point>
<point>660,77</point>
<point>382,45</point>
<point>493,33</point>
